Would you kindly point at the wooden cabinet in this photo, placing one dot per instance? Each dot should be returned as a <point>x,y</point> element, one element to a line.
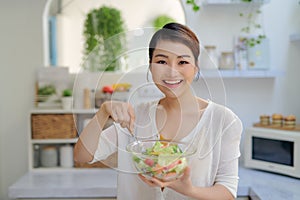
<point>55,129</point>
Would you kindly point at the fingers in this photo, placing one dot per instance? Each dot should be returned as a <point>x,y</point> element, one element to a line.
<point>147,181</point>
<point>151,181</point>
<point>132,118</point>
<point>186,173</point>
<point>122,113</point>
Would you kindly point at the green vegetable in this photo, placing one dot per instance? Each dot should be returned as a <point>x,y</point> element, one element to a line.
<point>163,160</point>
<point>67,93</point>
<point>47,90</point>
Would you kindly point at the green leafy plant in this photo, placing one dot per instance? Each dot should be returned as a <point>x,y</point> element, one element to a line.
<point>195,6</point>
<point>47,90</point>
<point>252,26</point>
<point>67,93</point>
<point>161,20</point>
<point>104,39</point>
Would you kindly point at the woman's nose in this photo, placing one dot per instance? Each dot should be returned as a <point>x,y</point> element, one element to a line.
<point>173,65</point>
<point>173,69</point>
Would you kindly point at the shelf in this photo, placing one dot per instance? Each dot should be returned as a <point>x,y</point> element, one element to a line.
<point>234,2</point>
<point>54,141</point>
<point>61,111</point>
<point>295,37</point>
<point>59,169</point>
<point>241,74</point>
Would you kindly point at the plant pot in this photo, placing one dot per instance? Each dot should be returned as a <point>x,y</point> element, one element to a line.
<point>67,103</point>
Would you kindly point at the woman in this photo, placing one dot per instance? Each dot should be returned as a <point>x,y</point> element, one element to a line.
<point>179,116</point>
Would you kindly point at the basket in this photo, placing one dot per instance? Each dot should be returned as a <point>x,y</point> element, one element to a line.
<point>53,126</point>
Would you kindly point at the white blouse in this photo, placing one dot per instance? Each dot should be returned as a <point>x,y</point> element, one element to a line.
<point>217,136</point>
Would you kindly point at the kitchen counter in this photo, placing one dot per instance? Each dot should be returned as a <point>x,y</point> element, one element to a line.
<point>267,186</point>
<point>77,183</point>
<point>101,183</point>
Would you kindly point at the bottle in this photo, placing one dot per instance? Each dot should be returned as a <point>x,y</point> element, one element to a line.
<point>66,156</point>
<point>36,156</point>
<point>92,98</point>
<point>87,99</point>
<point>210,61</point>
<point>241,54</point>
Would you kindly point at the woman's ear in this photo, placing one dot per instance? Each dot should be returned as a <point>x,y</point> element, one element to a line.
<point>196,69</point>
<point>197,73</point>
<point>149,70</point>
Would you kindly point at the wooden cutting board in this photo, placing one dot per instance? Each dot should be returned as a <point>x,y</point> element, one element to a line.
<point>297,128</point>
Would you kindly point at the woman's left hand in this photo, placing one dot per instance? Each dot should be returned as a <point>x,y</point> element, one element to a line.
<point>183,185</point>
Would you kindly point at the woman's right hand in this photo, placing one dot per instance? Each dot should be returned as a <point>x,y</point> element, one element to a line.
<point>120,112</point>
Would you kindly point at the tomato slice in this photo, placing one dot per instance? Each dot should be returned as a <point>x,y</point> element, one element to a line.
<point>149,162</point>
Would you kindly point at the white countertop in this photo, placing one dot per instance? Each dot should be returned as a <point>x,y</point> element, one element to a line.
<point>79,183</point>
<point>268,186</point>
<point>97,183</point>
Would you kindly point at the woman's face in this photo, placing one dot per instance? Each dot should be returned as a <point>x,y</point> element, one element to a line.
<point>173,67</point>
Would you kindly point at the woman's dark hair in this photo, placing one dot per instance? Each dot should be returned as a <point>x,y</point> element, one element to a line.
<point>177,33</point>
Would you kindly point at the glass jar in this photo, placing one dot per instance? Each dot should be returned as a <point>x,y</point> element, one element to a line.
<point>66,155</point>
<point>210,59</point>
<point>227,60</point>
<point>49,156</point>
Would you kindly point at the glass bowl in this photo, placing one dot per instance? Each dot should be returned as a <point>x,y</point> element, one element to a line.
<point>164,160</point>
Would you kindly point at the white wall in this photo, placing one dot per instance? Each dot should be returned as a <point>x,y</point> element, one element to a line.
<point>21,54</point>
<point>249,98</point>
<point>70,21</point>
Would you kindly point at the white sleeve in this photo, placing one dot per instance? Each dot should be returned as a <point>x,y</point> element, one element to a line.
<point>107,144</point>
<point>227,174</point>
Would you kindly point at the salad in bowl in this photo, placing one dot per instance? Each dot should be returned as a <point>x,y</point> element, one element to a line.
<point>164,160</point>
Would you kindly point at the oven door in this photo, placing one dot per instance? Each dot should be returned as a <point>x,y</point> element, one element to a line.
<point>272,150</point>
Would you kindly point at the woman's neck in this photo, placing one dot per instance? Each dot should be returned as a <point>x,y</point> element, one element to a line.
<point>186,103</point>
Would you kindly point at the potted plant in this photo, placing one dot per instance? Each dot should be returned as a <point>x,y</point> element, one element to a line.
<point>67,99</point>
<point>104,39</point>
<point>252,25</point>
<point>45,92</point>
<point>161,20</point>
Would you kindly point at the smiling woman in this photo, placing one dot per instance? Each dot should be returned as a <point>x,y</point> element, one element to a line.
<point>64,42</point>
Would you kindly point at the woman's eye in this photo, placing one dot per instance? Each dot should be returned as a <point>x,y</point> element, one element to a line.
<point>183,62</point>
<point>161,62</point>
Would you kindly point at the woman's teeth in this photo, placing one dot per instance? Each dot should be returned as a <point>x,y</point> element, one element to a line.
<point>173,82</point>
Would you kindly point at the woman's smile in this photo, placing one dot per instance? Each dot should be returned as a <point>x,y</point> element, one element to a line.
<point>173,67</point>
<point>173,83</point>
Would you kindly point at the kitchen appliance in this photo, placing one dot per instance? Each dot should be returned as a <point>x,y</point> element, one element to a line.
<point>273,150</point>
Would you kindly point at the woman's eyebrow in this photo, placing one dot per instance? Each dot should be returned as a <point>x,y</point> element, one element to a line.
<point>165,56</point>
<point>182,56</point>
<point>161,55</point>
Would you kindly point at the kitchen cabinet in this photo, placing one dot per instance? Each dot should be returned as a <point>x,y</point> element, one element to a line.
<point>37,143</point>
<point>258,57</point>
